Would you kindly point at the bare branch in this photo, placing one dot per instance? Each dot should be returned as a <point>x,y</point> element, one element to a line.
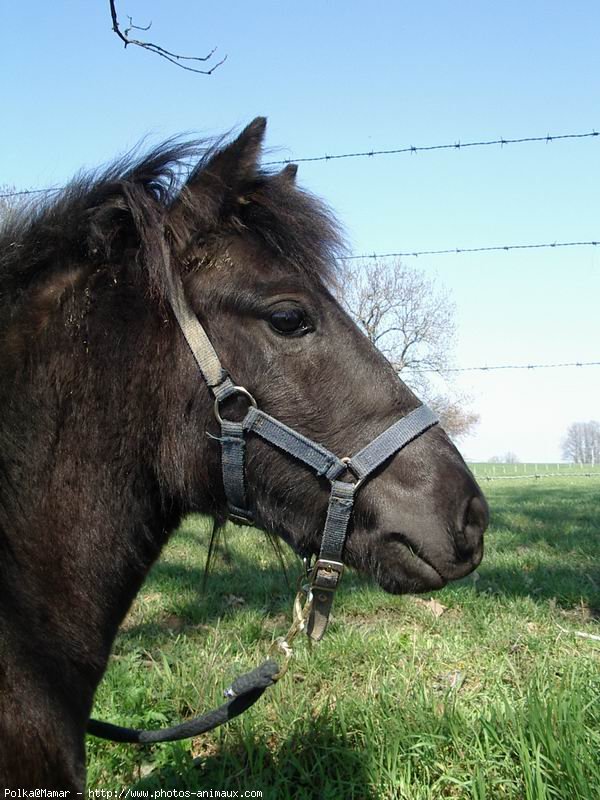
<point>174,58</point>
<point>411,320</point>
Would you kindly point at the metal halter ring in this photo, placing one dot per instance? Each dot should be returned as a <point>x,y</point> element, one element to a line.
<point>235,390</point>
<point>347,461</point>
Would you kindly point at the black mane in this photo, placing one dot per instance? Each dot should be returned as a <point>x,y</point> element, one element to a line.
<point>128,211</point>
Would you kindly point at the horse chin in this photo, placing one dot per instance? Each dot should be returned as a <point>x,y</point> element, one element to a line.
<point>399,569</point>
<point>402,568</point>
<point>420,577</point>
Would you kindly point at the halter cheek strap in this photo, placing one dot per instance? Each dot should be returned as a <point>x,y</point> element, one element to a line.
<point>327,570</point>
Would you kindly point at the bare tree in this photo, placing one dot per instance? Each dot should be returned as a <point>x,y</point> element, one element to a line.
<point>174,58</point>
<point>582,443</point>
<point>402,312</point>
<point>456,417</point>
<point>508,458</point>
<point>412,321</point>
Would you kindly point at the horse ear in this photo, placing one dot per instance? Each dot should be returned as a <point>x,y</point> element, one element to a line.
<point>223,172</point>
<point>215,182</point>
<point>287,174</point>
<point>234,163</point>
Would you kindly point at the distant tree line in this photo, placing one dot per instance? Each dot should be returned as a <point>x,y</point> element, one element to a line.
<point>507,458</point>
<point>582,443</point>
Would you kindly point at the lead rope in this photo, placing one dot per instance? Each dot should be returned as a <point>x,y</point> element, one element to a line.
<point>241,695</point>
<point>314,599</point>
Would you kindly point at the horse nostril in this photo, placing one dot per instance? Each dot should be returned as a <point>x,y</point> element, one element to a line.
<point>477,514</point>
<point>474,523</point>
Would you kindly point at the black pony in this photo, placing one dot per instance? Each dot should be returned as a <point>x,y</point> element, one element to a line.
<point>103,416</point>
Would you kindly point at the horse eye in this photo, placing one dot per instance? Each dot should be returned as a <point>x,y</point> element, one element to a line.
<point>289,321</point>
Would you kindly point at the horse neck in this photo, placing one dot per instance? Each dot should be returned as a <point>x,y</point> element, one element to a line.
<point>84,512</point>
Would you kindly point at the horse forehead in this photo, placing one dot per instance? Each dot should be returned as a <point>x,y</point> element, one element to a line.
<point>266,277</point>
<point>256,258</point>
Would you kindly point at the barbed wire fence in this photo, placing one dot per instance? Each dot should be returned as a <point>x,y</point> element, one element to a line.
<point>485,368</point>
<point>414,149</point>
<point>460,250</point>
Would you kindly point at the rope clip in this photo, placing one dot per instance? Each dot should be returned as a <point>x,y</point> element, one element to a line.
<point>283,644</point>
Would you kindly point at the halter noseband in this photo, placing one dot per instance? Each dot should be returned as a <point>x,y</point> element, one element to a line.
<point>327,570</point>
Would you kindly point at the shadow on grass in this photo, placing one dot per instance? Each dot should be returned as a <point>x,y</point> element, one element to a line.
<point>544,543</point>
<point>239,580</point>
<point>569,588</point>
<point>315,761</point>
<point>565,519</point>
<point>230,592</point>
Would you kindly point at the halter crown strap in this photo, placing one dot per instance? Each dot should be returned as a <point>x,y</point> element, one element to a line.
<point>220,384</point>
<point>207,359</point>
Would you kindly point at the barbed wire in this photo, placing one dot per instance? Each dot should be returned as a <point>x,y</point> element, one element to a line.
<point>428,148</point>
<point>537,475</point>
<point>485,368</point>
<point>460,250</point>
<point>32,191</point>
<point>370,153</point>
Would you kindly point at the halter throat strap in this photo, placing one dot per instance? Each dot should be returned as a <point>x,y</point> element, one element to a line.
<point>327,570</point>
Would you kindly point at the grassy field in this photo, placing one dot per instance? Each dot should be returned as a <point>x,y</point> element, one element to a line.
<point>490,695</point>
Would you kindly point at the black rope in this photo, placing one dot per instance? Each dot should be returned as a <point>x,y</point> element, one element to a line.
<point>243,693</point>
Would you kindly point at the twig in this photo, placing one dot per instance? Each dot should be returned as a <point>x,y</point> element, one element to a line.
<point>581,634</point>
<point>174,58</point>
<point>133,27</point>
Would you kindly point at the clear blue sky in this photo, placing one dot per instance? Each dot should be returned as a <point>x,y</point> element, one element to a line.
<point>345,76</point>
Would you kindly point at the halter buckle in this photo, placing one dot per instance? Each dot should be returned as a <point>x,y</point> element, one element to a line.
<point>326,575</point>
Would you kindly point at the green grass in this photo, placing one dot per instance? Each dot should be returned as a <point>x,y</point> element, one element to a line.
<point>495,698</point>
